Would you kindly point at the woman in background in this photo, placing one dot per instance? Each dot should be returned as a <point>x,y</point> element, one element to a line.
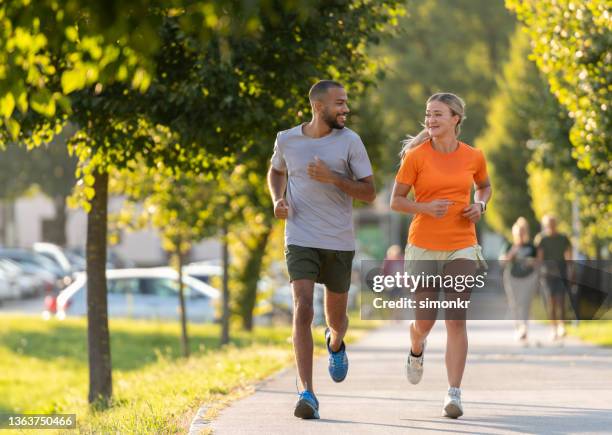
<point>520,276</point>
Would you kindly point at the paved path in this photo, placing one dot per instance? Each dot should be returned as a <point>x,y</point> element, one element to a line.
<point>506,389</point>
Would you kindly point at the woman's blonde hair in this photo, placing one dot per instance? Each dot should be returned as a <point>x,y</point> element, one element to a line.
<point>456,106</point>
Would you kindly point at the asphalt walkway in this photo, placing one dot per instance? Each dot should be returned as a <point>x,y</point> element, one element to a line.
<point>546,388</point>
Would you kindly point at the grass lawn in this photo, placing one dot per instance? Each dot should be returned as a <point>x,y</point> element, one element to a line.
<point>43,369</point>
<point>594,331</point>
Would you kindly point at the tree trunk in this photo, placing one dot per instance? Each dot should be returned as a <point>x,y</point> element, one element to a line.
<point>183,311</point>
<point>225,316</point>
<point>250,278</point>
<point>100,377</point>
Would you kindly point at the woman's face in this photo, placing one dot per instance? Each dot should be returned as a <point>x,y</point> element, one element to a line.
<point>439,119</point>
<point>519,234</point>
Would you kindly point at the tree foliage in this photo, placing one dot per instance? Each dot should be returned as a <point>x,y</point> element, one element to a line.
<point>571,46</point>
<point>521,101</point>
<point>570,42</point>
<point>185,87</point>
<point>442,46</point>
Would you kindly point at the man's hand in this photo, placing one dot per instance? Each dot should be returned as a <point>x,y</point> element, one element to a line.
<point>473,212</point>
<point>319,171</point>
<point>438,207</point>
<point>281,209</point>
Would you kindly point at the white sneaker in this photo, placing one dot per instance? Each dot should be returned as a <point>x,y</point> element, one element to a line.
<point>452,403</point>
<point>414,366</point>
<point>561,330</point>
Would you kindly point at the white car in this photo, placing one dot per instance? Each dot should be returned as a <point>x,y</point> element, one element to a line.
<point>56,254</point>
<point>203,271</point>
<point>146,293</point>
<point>6,289</point>
<point>21,283</point>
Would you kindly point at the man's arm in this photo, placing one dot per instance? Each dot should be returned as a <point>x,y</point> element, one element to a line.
<point>277,183</point>
<point>362,189</point>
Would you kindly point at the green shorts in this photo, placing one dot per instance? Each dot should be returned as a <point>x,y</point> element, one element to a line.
<point>326,266</point>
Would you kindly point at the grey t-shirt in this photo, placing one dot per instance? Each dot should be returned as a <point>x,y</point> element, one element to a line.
<point>320,214</point>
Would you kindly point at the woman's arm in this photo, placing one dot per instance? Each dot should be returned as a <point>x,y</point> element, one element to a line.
<point>400,202</point>
<point>482,194</point>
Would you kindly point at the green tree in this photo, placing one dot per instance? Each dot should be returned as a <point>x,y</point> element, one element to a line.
<point>443,45</point>
<point>571,46</point>
<point>521,100</point>
<point>178,205</point>
<point>53,170</point>
<point>213,92</point>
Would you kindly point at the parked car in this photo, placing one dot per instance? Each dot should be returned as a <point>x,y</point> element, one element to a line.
<point>203,271</point>
<point>39,265</point>
<point>21,283</point>
<point>77,257</point>
<point>7,287</point>
<point>147,293</point>
<point>56,254</point>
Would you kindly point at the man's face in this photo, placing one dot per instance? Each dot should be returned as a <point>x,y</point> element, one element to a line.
<point>334,108</point>
<point>550,225</point>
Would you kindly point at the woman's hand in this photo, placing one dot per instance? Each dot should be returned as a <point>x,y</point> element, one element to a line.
<point>472,212</point>
<point>437,208</point>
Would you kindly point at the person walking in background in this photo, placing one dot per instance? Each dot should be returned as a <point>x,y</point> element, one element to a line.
<point>393,264</point>
<point>520,276</point>
<point>553,251</point>
<point>320,166</point>
<point>442,171</point>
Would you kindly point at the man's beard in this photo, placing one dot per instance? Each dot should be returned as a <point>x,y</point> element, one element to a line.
<point>331,121</point>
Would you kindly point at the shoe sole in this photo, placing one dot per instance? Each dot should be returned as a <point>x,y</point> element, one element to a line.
<point>338,380</point>
<point>452,411</point>
<point>305,411</point>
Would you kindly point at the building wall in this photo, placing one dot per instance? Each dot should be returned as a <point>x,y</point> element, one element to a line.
<point>141,247</point>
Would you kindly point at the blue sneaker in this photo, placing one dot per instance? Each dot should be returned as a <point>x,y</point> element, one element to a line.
<point>307,406</point>
<point>338,361</point>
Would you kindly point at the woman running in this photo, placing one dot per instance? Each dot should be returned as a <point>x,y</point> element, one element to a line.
<point>442,171</point>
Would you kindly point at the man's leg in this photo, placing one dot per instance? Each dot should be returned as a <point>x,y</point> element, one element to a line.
<point>303,314</point>
<point>336,317</point>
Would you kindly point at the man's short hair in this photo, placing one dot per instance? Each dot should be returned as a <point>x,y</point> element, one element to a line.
<point>320,88</point>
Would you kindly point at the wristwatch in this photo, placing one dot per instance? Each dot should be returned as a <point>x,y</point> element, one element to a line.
<point>483,205</point>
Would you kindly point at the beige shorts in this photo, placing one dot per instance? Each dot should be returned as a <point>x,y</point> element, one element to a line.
<point>415,255</point>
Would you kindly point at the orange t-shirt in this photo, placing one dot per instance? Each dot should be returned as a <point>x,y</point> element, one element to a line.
<point>437,175</point>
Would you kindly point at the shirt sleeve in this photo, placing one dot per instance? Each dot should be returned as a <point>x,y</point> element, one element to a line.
<point>481,168</point>
<point>278,156</point>
<point>358,161</point>
<point>407,173</point>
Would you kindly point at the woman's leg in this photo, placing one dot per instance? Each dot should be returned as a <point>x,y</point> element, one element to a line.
<point>455,320</point>
<point>456,350</point>
<point>425,319</point>
<point>419,330</point>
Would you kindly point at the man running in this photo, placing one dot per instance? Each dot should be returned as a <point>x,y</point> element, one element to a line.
<point>320,166</point>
